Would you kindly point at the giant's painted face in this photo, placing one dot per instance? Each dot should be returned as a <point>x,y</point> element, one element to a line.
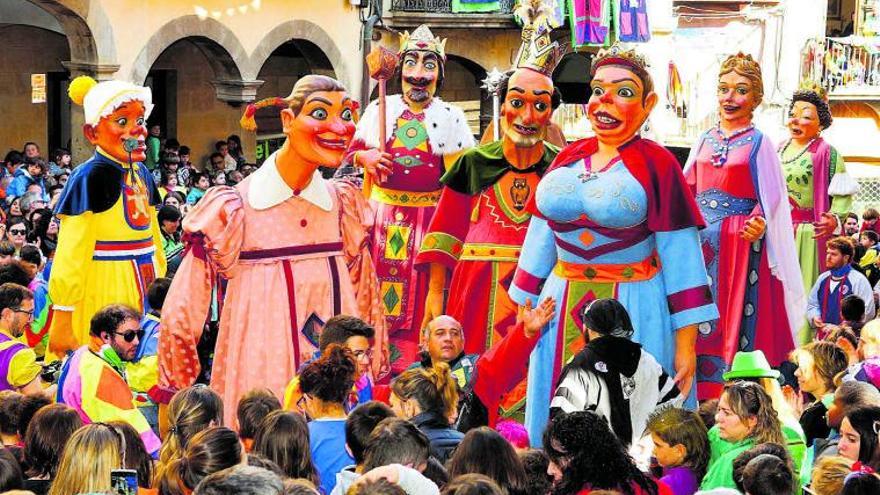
<point>803,121</point>
<point>527,108</point>
<point>322,130</point>
<point>420,71</point>
<point>737,98</point>
<point>618,105</point>
<point>126,122</point>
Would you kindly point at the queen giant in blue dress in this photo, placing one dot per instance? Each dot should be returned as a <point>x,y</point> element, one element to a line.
<point>613,217</point>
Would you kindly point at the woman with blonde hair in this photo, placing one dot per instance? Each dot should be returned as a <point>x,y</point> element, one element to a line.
<point>829,475</point>
<point>745,418</point>
<point>190,411</point>
<point>86,461</point>
<point>818,363</point>
<point>428,397</point>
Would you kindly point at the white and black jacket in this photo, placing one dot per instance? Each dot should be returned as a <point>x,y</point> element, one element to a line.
<point>618,380</point>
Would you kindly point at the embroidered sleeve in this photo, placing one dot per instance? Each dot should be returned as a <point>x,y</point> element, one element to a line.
<point>535,263</point>
<point>684,275</point>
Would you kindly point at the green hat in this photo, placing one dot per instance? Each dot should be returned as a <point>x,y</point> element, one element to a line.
<point>750,365</point>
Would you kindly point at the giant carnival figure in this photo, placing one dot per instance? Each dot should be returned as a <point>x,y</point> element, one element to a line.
<point>424,136</point>
<point>613,217</point>
<point>748,245</point>
<point>109,246</point>
<point>293,247</point>
<point>819,189</point>
<point>481,220</point>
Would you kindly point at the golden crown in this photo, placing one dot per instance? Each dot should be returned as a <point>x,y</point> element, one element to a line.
<point>537,51</point>
<point>739,60</point>
<point>814,87</point>
<point>618,54</point>
<point>422,39</point>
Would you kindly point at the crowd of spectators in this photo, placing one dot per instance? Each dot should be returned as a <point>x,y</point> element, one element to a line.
<point>617,422</point>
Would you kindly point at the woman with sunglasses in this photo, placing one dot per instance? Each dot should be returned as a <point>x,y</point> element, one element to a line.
<point>16,232</point>
<point>860,436</point>
<point>745,418</point>
<point>93,379</point>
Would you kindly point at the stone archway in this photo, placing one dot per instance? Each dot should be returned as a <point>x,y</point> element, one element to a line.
<point>219,44</point>
<point>462,83</point>
<point>300,29</point>
<point>84,48</point>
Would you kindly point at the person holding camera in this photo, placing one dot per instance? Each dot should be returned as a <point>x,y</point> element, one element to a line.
<point>93,379</point>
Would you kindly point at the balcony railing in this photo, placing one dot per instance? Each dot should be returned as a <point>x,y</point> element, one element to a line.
<point>441,6</point>
<point>846,67</point>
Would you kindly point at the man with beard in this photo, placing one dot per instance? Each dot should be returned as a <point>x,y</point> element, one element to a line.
<point>93,381</point>
<point>482,217</point>
<point>424,136</point>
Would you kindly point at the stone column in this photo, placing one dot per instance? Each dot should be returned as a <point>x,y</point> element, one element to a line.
<point>80,149</point>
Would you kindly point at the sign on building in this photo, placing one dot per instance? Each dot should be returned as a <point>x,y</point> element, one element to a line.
<point>38,88</point>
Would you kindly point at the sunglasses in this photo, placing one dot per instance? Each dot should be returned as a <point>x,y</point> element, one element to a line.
<point>18,232</point>
<point>130,335</point>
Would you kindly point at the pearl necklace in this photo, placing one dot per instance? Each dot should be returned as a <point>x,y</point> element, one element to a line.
<point>719,158</point>
<point>798,156</point>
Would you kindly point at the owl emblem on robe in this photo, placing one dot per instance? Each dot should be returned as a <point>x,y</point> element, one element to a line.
<point>519,192</point>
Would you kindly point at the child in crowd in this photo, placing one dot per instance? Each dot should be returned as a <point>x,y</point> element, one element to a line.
<point>829,475</point>
<point>10,412</point>
<point>768,475</point>
<point>852,308</point>
<point>200,183</point>
<point>869,219</point>
<point>253,407</point>
<point>358,427</point>
<point>219,178</point>
<point>743,459</point>
<point>681,447</point>
<point>536,462</point>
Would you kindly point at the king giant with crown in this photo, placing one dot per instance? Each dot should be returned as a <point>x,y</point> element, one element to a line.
<point>424,136</point>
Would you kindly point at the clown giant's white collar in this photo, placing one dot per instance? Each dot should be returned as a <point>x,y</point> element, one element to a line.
<point>268,189</point>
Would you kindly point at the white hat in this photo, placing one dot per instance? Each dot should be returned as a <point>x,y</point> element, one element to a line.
<point>101,99</point>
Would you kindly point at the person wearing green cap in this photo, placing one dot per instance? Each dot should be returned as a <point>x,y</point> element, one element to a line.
<point>754,367</point>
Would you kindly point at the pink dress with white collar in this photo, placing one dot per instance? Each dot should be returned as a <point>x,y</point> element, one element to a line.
<point>286,256</point>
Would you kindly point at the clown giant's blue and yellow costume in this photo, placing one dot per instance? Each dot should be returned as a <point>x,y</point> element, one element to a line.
<point>109,246</point>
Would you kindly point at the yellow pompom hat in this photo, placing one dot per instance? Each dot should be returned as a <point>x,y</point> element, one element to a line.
<point>101,99</point>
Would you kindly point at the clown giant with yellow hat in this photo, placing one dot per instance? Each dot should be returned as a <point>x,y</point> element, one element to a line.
<point>109,246</point>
